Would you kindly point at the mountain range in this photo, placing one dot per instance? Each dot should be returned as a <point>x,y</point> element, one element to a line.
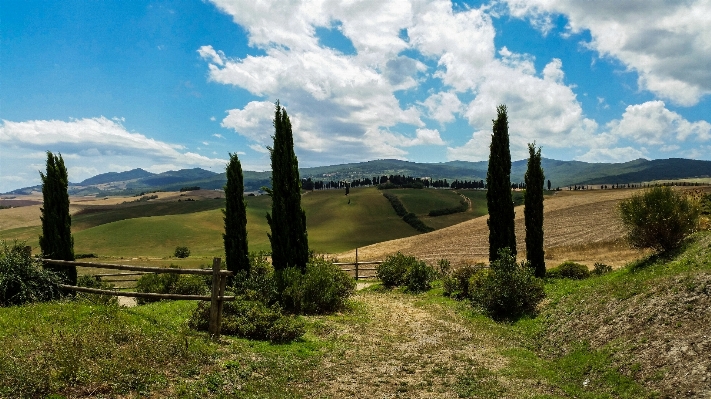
<point>560,173</point>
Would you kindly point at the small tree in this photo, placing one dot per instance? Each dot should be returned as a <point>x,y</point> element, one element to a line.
<point>499,202</point>
<point>533,211</point>
<point>235,217</point>
<point>290,246</point>
<point>549,185</point>
<point>56,240</point>
<point>659,218</point>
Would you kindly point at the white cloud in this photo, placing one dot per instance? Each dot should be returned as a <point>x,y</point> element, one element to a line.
<point>254,121</point>
<point>89,146</point>
<point>667,43</point>
<point>651,123</point>
<point>443,106</point>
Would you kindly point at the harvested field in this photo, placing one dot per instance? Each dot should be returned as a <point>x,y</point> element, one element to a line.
<point>582,226</point>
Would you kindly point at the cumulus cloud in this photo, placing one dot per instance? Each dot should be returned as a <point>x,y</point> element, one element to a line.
<point>651,123</point>
<point>348,101</point>
<point>665,43</point>
<point>90,146</point>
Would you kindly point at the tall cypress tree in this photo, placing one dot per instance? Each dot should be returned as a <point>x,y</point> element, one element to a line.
<point>235,217</point>
<point>56,240</point>
<point>533,211</point>
<point>290,246</point>
<point>498,195</point>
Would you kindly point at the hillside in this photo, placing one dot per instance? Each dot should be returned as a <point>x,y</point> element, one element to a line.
<point>560,173</point>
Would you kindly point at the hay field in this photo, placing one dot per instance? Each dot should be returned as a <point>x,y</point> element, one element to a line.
<point>582,226</point>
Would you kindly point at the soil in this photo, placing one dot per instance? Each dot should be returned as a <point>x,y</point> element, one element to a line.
<point>406,350</point>
<point>581,226</point>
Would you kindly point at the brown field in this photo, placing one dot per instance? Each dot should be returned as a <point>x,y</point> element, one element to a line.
<point>582,226</point>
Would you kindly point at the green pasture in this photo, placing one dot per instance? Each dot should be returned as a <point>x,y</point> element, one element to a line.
<point>335,223</point>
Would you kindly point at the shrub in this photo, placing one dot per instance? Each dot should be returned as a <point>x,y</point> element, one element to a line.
<point>456,284</point>
<point>23,279</point>
<point>100,299</point>
<point>182,252</point>
<point>250,319</point>
<point>323,288</point>
<point>569,269</point>
<point>659,218</point>
<point>393,270</point>
<point>170,283</point>
<point>508,289</point>
<point>259,283</point>
<point>601,268</point>
<point>419,277</point>
<point>444,267</point>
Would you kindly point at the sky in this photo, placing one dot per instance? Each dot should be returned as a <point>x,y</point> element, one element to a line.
<point>115,85</point>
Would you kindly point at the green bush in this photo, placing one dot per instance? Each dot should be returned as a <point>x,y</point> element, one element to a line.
<point>659,218</point>
<point>456,283</point>
<point>419,277</point>
<point>569,269</point>
<point>601,268</point>
<point>508,289</point>
<point>23,279</point>
<point>443,267</point>
<point>393,269</point>
<point>323,288</point>
<point>250,319</point>
<point>259,284</point>
<point>100,299</point>
<point>171,283</point>
<point>182,252</point>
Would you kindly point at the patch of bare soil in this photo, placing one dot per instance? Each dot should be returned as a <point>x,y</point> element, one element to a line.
<point>662,336</point>
<point>409,351</point>
<point>572,219</point>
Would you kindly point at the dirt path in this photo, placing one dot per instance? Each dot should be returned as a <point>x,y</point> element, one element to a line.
<point>399,348</point>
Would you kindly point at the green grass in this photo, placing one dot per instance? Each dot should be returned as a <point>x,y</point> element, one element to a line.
<point>422,201</point>
<point>96,215</point>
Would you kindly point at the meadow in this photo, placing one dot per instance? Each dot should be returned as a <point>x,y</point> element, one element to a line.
<point>639,331</point>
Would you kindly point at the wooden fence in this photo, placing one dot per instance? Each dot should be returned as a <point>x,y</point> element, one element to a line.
<point>216,297</point>
<point>356,267</point>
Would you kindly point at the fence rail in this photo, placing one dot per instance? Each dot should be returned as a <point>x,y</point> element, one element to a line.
<point>357,269</point>
<point>217,296</point>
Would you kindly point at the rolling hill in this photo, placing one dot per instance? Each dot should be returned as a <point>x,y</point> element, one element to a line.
<point>560,173</point>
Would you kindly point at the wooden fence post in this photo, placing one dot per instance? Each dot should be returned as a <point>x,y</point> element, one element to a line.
<point>215,302</point>
<point>356,265</point>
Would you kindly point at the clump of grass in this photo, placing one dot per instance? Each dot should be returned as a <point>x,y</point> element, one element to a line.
<point>80,349</point>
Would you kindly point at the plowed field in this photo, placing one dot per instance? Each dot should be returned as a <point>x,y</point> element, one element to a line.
<point>582,226</point>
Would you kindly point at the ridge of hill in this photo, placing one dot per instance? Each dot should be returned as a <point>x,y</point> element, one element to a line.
<point>560,173</point>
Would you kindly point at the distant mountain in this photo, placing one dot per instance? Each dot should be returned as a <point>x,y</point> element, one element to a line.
<point>115,177</point>
<point>560,173</point>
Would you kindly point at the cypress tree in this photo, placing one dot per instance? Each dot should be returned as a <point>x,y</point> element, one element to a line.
<point>235,216</point>
<point>533,211</point>
<point>56,240</point>
<point>290,247</point>
<point>498,195</point>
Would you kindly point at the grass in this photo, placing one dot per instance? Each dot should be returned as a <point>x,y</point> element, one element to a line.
<point>388,343</point>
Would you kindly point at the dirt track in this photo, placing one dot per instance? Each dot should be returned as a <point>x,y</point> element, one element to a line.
<point>578,225</point>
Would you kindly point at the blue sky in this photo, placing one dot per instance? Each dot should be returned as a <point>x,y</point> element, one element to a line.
<point>161,85</point>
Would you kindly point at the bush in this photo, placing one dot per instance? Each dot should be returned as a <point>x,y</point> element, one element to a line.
<point>601,268</point>
<point>100,299</point>
<point>419,277</point>
<point>456,284</point>
<point>23,279</point>
<point>259,284</point>
<point>508,289</point>
<point>182,252</point>
<point>569,269</point>
<point>660,218</point>
<point>443,267</point>
<point>393,270</point>
<point>250,319</point>
<point>171,283</point>
<point>323,288</point>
